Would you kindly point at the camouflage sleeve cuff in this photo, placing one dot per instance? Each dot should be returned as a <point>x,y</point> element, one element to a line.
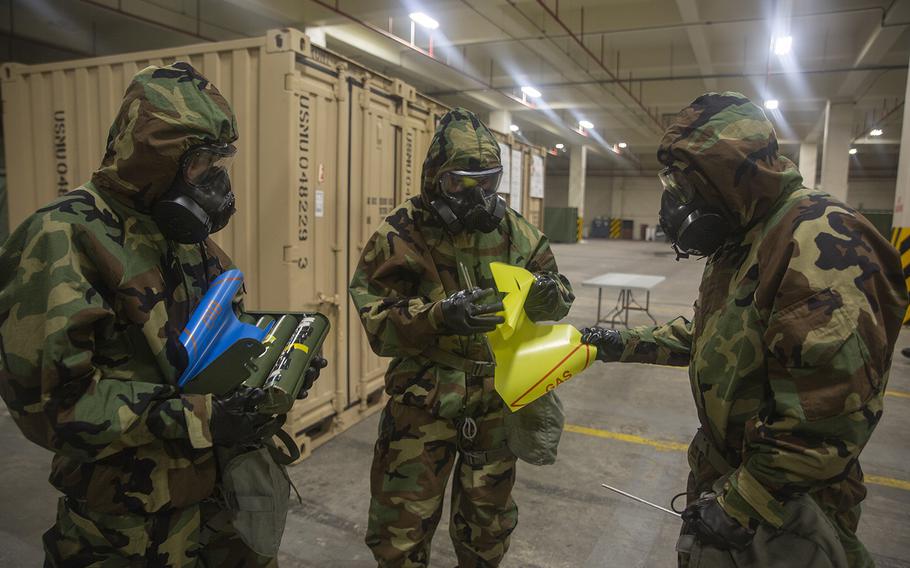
<point>434,316</point>
<point>748,501</point>
<point>197,411</point>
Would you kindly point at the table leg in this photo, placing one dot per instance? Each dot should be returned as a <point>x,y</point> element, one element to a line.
<point>648,307</point>
<point>599,295</point>
<point>627,306</point>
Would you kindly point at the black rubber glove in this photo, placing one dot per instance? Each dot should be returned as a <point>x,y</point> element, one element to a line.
<point>462,314</point>
<point>608,342</point>
<point>235,420</point>
<point>545,293</point>
<point>711,525</point>
<point>312,373</point>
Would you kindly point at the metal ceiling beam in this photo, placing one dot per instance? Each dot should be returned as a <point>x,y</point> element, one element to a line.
<point>879,43</point>
<point>688,9</point>
<point>478,94</point>
<point>563,63</point>
<point>415,49</point>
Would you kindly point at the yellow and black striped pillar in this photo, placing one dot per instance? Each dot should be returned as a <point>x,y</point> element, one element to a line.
<point>900,238</point>
<point>615,228</point>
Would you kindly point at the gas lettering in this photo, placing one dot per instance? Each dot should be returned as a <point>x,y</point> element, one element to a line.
<point>566,375</point>
<point>303,181</point>
<point>61,168</point>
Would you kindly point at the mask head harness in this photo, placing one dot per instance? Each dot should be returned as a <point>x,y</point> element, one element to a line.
<point>200,201</point>
<point>468,201</point>
<point>694,226</point>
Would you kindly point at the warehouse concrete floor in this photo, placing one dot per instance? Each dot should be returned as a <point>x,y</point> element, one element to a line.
<point>622,418</point>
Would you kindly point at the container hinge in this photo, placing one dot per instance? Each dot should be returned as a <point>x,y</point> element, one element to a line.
<point>10,71</point>
<point>288,39</point>
<point>365,94</point>
<point>403,91</point>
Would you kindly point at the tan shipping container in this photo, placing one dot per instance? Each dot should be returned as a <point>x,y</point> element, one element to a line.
<point>327,149</point>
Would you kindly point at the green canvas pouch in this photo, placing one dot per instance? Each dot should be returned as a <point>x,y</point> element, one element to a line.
<point>533,432</point>
<point>256,490</point>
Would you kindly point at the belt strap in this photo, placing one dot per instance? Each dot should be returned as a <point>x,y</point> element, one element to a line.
<point>479,458</point>
<point>705,447</point>
<point>290,444</point>
<point>469,366</point>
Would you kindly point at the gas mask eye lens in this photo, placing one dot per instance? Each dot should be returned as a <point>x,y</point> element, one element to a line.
<point>203,164</point>
<point>675,183</point>
<point>458,184</point>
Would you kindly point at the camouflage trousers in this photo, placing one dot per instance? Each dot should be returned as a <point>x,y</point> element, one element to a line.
<point>414,456</point>
<point>196,536</point>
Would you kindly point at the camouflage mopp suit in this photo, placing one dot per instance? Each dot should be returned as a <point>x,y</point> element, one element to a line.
<point>92,303</point>
<point>790,348</point>
<point>409,265</point>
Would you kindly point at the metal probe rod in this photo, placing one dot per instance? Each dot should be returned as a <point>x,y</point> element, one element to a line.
<point>640,500</point>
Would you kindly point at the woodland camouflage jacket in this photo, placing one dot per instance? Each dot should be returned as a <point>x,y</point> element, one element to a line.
<point>795,321</point>
<point>411,264</point>
<point>92,302</point>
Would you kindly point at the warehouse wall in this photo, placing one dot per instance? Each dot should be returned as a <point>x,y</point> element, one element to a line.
<point>868,194</point>
<point>629,197</point>
<point>638,197</point>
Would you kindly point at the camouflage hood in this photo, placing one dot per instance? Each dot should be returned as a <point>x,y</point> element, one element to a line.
<point>165,111</point>
<point>731,143</point>
<point>461,142</point>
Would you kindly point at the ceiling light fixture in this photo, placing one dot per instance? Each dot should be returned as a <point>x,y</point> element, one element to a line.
<point>424,20</point>
<point>852,151</point>
<point>876,132</point>
<point>560,146</point>
<point>587,124</point>
<point>782,45</point>
<point>514,128</point>
<point>772,104</point>
<point>531,92</point>
<point>623,145</point>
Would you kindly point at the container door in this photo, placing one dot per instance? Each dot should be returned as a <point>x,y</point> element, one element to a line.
<point>297,197</point>
<point>414,141</point>
<point>372,196</point>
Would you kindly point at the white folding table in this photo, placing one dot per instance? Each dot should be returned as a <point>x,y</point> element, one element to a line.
<point>627,284</point>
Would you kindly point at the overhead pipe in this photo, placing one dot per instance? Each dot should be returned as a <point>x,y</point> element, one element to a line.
<point>585,69</point>
<point>700,76</point>
<point>487,86</point>
<point>607,150</point>
<point>880,122</point>
<point>600,63</point>
<point>683,25</point>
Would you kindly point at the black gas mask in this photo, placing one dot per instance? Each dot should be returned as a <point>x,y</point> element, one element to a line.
<point>468,201</point>
<point>694,227</point>
<point>200,201</point>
